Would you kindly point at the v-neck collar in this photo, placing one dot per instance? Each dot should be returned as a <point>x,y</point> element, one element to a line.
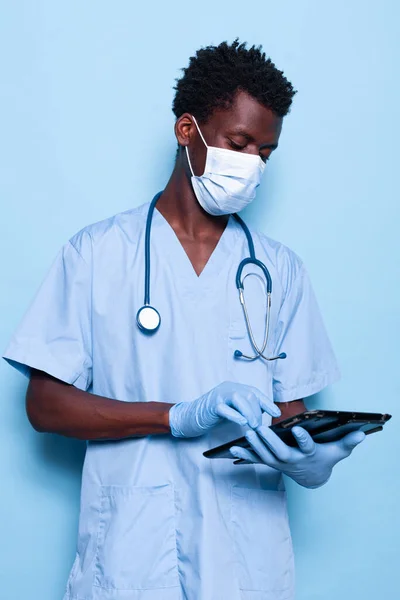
<point>216,261</point>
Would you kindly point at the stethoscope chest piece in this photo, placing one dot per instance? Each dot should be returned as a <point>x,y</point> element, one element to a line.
<point>148,319</point>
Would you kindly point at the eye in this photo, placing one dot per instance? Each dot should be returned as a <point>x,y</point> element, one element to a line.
<point>235,146</point>
<point>264,158</point>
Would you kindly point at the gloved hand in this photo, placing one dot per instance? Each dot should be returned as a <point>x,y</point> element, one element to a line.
<point>242,404</point>
<point>310,465</point>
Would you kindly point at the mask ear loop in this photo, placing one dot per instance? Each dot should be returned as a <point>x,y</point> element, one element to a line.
<point>188,158</point>
<point>186,148</point>
<point>198,129</point>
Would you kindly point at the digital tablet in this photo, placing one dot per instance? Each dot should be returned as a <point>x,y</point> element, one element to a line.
<point>323,426</point>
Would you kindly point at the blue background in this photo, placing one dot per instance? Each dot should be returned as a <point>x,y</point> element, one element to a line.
<point>87,131</point>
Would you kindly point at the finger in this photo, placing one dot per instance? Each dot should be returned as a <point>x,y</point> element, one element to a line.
<point>281,450</point>
<point>261,449</point>
<point>304,440</point>
<point>226,412</point>
<point>351,440</point>
<point>270,408</point>
<point>248,407</point>
<point>244,454</point>
<point>266,403</point>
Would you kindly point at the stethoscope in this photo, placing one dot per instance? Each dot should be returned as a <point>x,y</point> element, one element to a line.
<point>148,318</point>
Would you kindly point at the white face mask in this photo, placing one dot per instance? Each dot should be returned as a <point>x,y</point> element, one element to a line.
<point>229,181</point>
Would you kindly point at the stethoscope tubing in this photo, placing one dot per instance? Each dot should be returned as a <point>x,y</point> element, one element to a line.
<point>147,249</point>
<point>239,284</point>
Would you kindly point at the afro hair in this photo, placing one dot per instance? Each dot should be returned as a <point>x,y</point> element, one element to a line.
<point>216,73</point>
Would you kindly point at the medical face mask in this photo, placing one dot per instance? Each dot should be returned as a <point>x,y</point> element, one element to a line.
<point>229,181</point>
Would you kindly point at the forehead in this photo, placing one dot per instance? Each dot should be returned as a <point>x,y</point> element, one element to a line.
<point>248,115</point>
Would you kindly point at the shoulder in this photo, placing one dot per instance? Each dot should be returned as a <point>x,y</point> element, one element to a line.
<point>287,265</point>
<point>123,227</point>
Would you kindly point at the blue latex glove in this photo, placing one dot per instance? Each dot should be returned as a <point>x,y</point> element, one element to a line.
<point>310,465</point>
<point>242,404</point>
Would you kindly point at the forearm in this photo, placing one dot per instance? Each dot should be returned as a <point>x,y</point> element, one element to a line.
<point>56,407</point>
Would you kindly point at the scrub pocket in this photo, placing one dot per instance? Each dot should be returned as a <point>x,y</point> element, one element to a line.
<point>262,542</point>
<point>136,546</point>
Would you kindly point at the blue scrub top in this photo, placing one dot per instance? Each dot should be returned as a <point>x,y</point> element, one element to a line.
<point>158,520</point>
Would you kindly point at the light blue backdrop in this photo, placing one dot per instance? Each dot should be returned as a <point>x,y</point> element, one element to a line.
<point>86,131</point>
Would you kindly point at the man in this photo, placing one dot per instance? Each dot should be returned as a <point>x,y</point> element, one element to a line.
<point>159,521</point>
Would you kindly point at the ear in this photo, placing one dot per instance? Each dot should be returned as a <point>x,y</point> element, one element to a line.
<point>185,129</point>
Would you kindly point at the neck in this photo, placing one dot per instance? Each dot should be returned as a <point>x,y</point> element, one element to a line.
<point>179,206</point>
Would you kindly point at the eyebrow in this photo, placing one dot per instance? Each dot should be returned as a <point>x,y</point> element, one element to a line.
<point>250,138</point>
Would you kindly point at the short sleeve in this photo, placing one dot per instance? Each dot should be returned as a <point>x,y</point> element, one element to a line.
<point>55,333</point>
<point>310,364</point>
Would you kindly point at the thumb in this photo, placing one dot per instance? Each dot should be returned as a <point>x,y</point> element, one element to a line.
<point>351,440</point>
<point>304,440</point>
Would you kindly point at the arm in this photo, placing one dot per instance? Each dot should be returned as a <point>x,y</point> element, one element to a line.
<point>56,407</point>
